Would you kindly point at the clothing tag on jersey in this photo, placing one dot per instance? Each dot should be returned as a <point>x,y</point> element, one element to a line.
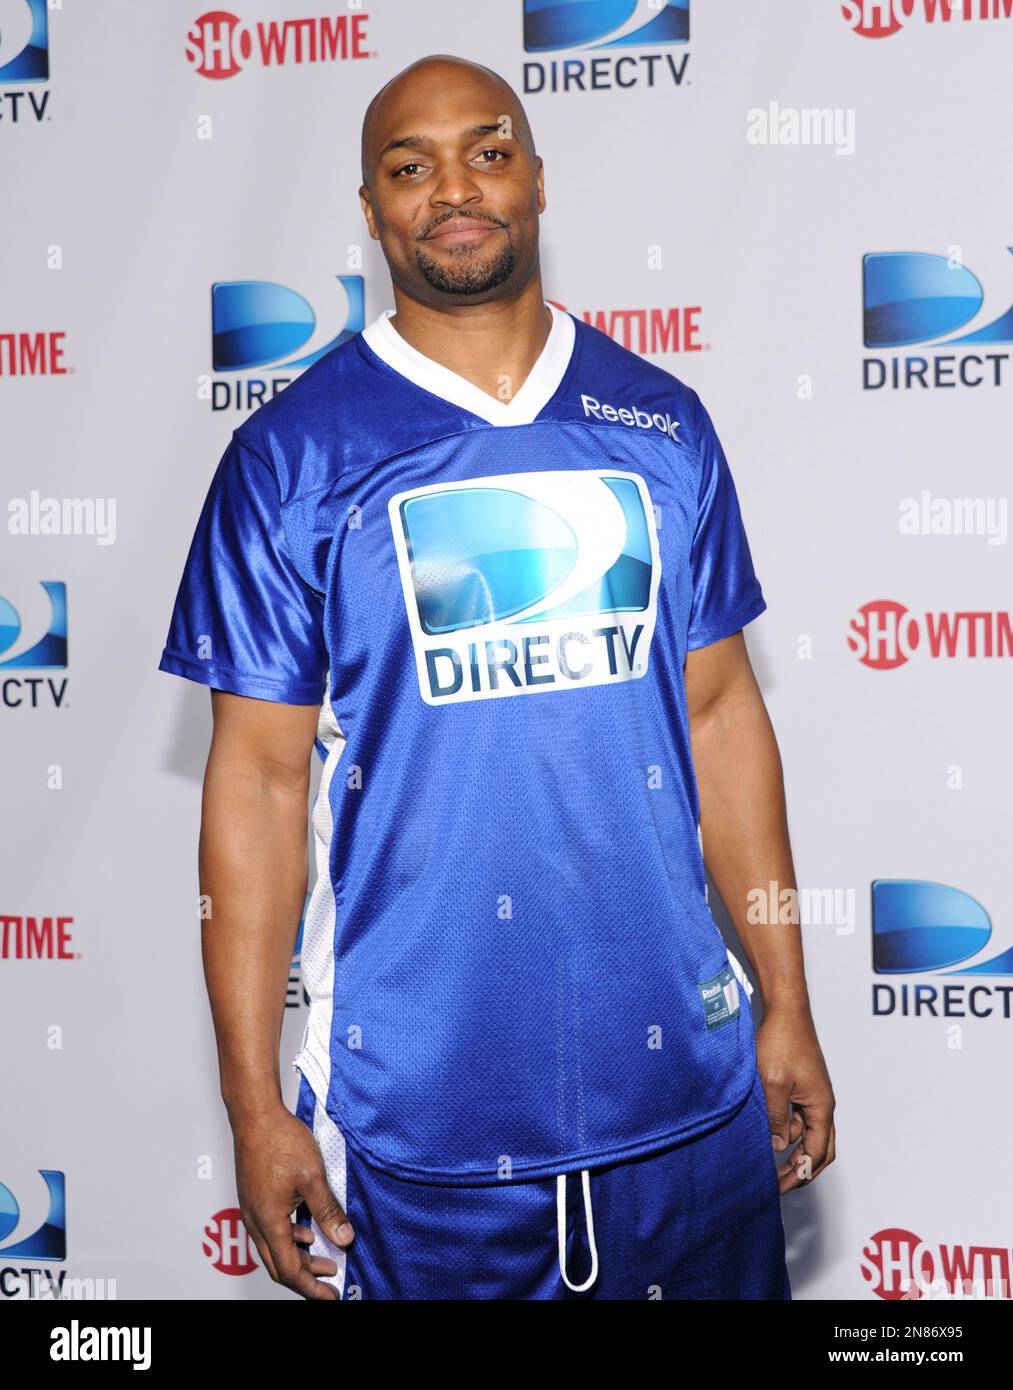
<point>720,996</point>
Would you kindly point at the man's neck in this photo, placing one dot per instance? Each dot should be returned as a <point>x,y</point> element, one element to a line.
<point>494,345</point>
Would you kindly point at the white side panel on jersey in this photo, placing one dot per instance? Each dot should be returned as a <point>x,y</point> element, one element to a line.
<point>317,958</point>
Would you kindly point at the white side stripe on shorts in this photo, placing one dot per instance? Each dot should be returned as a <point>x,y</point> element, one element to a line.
<point>332,1146</point>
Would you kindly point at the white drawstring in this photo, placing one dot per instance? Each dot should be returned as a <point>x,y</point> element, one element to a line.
<point>585,1180</point>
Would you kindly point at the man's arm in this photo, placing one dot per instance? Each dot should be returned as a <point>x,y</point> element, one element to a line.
<point>744,827</point>
<point>252,864</point>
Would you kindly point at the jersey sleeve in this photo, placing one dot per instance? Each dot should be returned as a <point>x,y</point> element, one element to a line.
<point>726,592</point>
<point>244,619</point>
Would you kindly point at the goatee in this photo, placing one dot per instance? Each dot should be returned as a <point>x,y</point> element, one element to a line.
<point>466,274</point>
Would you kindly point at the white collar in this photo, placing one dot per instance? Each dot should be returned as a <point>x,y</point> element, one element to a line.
<point>540,384</point>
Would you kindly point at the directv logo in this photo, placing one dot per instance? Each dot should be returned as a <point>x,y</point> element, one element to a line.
<point>527,582</point>
<point>33,638</point>
<point>592,24</point>
<point>24,44</point>
<point>924,928</point>
<point>914,298</point>
<point>260,324</point>
<point>612,36</point>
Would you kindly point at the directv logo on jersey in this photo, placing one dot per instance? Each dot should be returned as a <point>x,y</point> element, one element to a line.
<point>594,26</point>
<point>527,582</point>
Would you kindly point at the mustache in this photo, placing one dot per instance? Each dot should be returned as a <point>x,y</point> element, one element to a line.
<point>453,216</point>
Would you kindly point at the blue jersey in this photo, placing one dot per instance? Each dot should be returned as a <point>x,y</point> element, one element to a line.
<point>511,964</point>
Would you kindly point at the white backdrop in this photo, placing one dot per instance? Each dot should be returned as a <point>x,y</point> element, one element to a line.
<point>138,181</point>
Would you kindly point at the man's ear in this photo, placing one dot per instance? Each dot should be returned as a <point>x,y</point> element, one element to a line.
<point>365,202</point>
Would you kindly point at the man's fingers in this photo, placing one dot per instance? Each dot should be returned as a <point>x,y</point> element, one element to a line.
<point>815,1151</point>
<point>831,1152</point>
<point>305,1235</point>
<point>318,1264</point>
<point>262,1247</point>
<point>327,1211</point>
<point>819,1123</point>
<point>287,1259</point>
<point>780,1120</point>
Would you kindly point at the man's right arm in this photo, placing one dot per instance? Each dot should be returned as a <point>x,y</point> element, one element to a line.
<point>252,866</point>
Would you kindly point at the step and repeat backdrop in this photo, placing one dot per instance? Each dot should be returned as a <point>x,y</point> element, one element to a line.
<point>802,210</point>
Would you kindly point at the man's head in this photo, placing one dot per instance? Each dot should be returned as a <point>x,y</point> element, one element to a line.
<point>451,184</point>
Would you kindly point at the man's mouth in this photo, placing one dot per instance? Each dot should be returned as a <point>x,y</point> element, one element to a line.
<point>460,230</point>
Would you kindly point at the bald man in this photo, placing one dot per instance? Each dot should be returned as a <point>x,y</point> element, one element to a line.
<point>492,567</point>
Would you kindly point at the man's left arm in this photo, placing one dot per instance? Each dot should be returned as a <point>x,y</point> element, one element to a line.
<point>744,826</point>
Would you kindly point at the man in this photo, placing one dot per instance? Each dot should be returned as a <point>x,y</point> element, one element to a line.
<point>492,566</point>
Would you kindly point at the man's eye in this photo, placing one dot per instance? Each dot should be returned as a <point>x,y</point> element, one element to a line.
<point>404,167</point>
<point>502,154</point>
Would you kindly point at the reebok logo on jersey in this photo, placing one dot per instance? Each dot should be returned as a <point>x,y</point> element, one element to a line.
<point>632,416</point>
<point>527,582</point>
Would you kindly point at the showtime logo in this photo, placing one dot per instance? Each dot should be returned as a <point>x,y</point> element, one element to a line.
<point>649,331</point>
<point>220,44</point>
<point>878,19</point>
<point>227,1243</point>
<point>33,354</point>
<point>36,938</point>
<point>885,635</point>
<point>901,1266</point>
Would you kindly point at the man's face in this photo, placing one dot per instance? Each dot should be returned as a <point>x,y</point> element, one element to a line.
<point>454,192</point>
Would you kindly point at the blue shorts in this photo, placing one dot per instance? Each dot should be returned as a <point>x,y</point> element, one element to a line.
<point>698,1220</point>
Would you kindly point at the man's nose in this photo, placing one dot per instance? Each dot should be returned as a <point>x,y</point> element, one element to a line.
<point>454,186</point>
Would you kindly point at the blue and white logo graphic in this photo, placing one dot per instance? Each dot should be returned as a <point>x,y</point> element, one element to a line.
<point>918,925</point>
<point>553,24</point>
<point>33,627</point>
<point>528,582</point>
<point>24,41</point>
<point>36,1228</point>
<point>257,323</point>
<point>915,297</point>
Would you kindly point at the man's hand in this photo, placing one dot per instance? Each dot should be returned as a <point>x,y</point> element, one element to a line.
<point>279,1164</point>
<point>792,1069</point>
